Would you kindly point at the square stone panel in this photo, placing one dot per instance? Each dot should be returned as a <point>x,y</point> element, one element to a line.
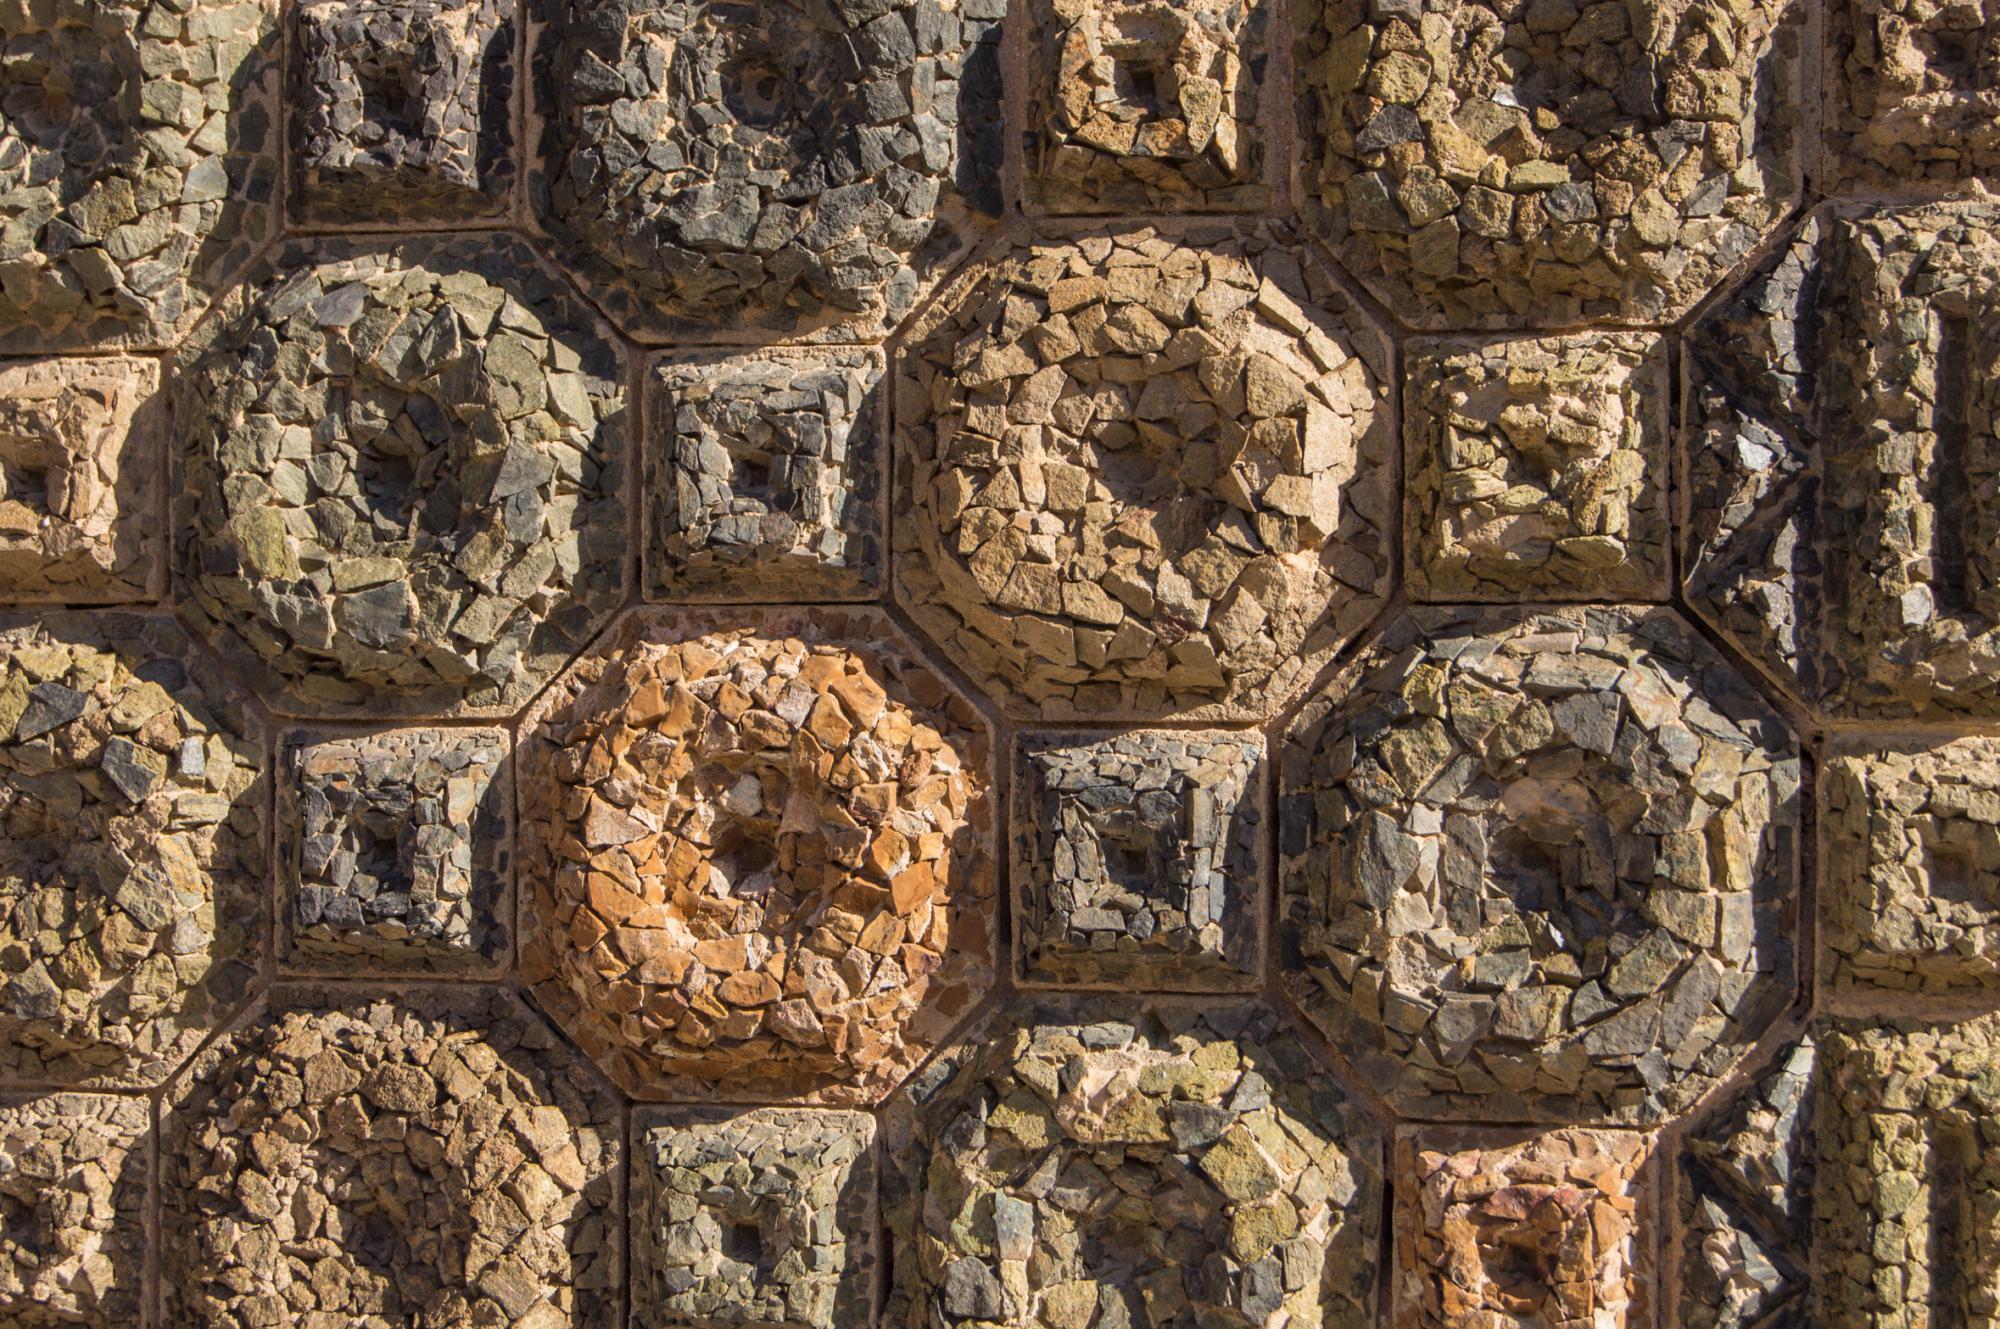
<point>74,1172</point>
<point>1911,97</point>
<point>1537,468</point>
<point>765,475</point>
<point>1543,1230</point>
<point>80,466</point>
<point>1903,1208</point>
<point>1139,859</point>
<point>403,111</point>
<point>763,1218</point>
<point>395,850</point>
<point>1147,105</point>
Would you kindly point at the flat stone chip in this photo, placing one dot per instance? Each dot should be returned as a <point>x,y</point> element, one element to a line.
<point>132,858</point>
<point>1539,866</point>
<point>1143,474</point>
<point>1107,1161</point>
<point>758,857</point>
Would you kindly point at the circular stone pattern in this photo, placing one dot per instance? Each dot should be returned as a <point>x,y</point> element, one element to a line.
<point>131,849</point>
<point>761,858</point>
<point>402,478</point>
<point>357,1158</point>
<point>1170,1165</point>
<point>122,196</point>
<point>1540,867</point>
<point>1492,163</point>
<point>1140,475</point>
<point>769,165</point>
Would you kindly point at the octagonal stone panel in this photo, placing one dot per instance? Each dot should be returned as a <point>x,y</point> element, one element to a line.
<point>764,1218</point>
<point>757,856</point>
<point>1843,462</point>
<point>1539,866</point>
<point>401,479</point>
<point>132,860</point>
<point>1143,474</point>
<point>1148,106</point>
<point>1139,859</point>
<point>81,441</point>
<point>141,151</point>
<point>1118,1161</point>
<point>357,1155</point>
<point>75,1172</point>
<point>1489,164</point>
<point>728,170</point>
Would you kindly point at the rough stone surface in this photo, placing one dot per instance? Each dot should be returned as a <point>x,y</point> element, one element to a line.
<point>1147,106</point>
<point>1537,468</point>
<point>359,1158</point>
<point>1911,835</point>
<point>80,467</point>
<point>763,1218</point>
<point>402,111</point>
<point>1910,99</point>
<point>761,857</point>
<point>1843,486</point>
<point>1903,1208</point>
<point>796,166</point>
<point>1730,1279</point>
<point>1490,163</point>
<point>1139,859</point>
<point>395,851</point>
<point>1544,1230</point>
<point>132,864</point>
<point>1108,1162</point>
<point>1143,474</point>
<point>74,1174</point>
<point>403,475</point>
<point>1539,866</point>
<point>765,477</point>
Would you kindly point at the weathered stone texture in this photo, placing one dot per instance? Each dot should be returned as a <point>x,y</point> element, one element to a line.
<point>1544,1230</point>
<point>403,474</point>
<point>1139,859</point>
<point>1537,468</point>
<point>1488,163</point>
<point>1147,106</point>
<point>765,477</point>
<point>1904,1205</point>
<point>80,479</point>
<point>797,166</point>
<point>1843,491</point>
<point>402,111</point>
<point>1910,98</point>
<point>394,851</point>
<point>359,1158</point>
<point>761,857</point>
<point>74,1174</point>
<point>138,161</point>
<point>1143,474</point>
<point>764,1218</point>
<point>1108,1162</point>
<point>1539,866</point>
<point>132,863</point>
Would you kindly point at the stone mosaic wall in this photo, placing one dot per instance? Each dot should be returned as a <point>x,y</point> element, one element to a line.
<point>999,664</point>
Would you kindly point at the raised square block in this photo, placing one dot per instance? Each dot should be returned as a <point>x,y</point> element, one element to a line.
<point>80,467</point>
<point>763,1218</point>
<point>395,850</point>
<point>1537,468</point>
<point>1147,105</point>
<point>1911,842</point>
<point>1540,1230</point>
<point>1139,859</point>
<point>403,110</point>
<point>765,472</point>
